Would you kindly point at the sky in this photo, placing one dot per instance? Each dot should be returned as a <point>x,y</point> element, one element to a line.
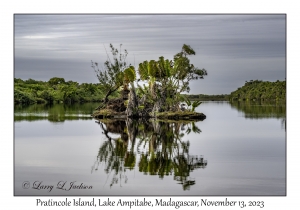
<point>232,48</point>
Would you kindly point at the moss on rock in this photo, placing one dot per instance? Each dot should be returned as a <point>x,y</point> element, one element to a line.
<point>105,113</point>
<point>180,115</point>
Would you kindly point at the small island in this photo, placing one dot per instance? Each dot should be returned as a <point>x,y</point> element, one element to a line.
<point>157,93</point>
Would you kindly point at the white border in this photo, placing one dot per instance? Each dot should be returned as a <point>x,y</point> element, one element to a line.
<point>8,8</point>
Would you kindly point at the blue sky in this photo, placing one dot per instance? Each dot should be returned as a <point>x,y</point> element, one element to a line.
<point>232,48</point>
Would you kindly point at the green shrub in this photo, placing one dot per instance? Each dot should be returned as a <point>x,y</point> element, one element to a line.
<point>23,98</point>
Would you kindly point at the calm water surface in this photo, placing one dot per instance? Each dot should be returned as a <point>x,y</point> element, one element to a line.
<point>239,149</point>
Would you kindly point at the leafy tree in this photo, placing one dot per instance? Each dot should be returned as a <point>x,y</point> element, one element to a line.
<point>168,78</point>
<point>46,95</point>
<point>23,97</point>
<point>32,81</point>
<point>111,77</point>
<point>192,105</point>
<point>17,80</point>
<point>89,87</point>
<point>260,90</point>
<point>55,90</point>
<point>56,81</point>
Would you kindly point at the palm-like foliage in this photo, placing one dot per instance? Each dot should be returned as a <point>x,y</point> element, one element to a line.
<point>195,104</point>
<point>143,70</point>
<point>192,104</point>
<point>167,79</point>
<point>188,102</point>
<point>172,77</point>
<point>128,76</point>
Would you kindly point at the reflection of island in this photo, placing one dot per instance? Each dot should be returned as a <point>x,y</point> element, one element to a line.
<point>160,149</point>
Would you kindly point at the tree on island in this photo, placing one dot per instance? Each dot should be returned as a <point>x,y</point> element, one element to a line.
<point>111,76</point>
<point>165,81</point>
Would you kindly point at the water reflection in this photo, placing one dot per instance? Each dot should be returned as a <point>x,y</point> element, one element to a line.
<point>246,157</point>
<point>156,147</point>
<point>256,110</point>
<point>61,112</point>
<point>56,113</point>
<point>259,110</point>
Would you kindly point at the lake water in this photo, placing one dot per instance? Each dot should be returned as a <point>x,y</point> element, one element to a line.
<point>239,149</point>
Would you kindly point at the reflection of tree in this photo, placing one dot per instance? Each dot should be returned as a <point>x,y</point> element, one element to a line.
<point>256,110</point>
<point>161,149</point>
<point>168,154</point>
<point>113,151</point>
<point>189,164</point>
<point>55,113</point>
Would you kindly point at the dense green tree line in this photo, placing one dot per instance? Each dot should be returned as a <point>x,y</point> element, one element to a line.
<point>204,97</point>
<point>260,90</point>
<point>56,90</point>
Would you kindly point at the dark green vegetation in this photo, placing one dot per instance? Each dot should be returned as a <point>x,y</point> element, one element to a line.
<point>260,90</point>
<point>160,95</point>
<point>157,148</point>
<point>56,90</point>
<point>203,97</point>
<point>164,81</point>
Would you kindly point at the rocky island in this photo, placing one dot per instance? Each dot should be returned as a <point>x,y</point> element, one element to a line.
<point>160,94</point>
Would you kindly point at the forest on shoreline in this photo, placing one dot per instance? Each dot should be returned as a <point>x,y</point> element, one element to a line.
<point>163,92</point>
<point>204,97</point>
<point>257,90</point>
<point>57,90</point>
